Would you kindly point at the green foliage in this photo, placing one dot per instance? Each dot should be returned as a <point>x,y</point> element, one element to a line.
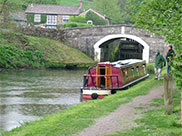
<point>86,3</point>
<point>74,24</point>
<point>76,118</point>
<point>13,57</point>
<point>30,19</point>
<point>150,68</point>
<point>164,18</point>
<point>134,6</point>
<point>95,18</point>
<point>110,9</point>
<point>114,52</point>
<point>78,19</point>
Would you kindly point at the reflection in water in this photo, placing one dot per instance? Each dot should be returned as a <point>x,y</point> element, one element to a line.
<point>29,95</point>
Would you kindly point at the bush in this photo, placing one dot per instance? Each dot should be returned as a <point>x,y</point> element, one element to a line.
<point>70,24</point>
<point>96,19</point>
<point>150,68</point>
<point>78,19</point>
<point>74,24</point>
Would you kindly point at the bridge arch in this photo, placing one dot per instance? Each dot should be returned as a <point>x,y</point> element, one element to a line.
<point>97,49</point>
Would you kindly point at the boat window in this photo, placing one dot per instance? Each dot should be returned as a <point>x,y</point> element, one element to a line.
<point>126,73</point>
<point>133,72</point>
<point>144,68</point>
<point>138,70</point>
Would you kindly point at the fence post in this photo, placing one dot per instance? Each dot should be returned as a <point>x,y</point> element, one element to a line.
<point>168,95</point>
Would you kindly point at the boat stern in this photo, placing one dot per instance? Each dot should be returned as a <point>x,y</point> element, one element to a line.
<point>94,93</point>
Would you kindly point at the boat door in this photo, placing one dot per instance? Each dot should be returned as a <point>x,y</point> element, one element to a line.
<point>103,73</point>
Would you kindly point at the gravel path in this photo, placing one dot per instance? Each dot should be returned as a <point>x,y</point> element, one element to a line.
<point>123,117</point>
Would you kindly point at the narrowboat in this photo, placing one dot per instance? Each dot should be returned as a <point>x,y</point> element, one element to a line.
<point>106,77</point>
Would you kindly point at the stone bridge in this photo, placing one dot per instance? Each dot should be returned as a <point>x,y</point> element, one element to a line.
<point>90,39</point>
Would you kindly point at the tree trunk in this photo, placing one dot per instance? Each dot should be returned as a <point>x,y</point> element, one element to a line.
<point>168,95</point>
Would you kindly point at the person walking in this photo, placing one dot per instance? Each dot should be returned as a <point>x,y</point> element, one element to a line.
<point>160,62</point>
<point>169,56</point>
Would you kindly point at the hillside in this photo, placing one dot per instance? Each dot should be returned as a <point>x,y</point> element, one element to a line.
<point>86,3</point>
<point>22,51</point>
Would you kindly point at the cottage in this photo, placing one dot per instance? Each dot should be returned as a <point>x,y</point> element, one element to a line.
<point>50,16</point>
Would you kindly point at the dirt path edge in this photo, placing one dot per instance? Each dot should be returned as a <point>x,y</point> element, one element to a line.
<point>123,117</point>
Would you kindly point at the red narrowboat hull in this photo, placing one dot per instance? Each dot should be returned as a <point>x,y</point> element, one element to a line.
<point>105,78</point>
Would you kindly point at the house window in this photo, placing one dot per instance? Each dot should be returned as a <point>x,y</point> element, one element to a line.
<point>65,19</point>
<point>51,20</point>
<point>37,17</point>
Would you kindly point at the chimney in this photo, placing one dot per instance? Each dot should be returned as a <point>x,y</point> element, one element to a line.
<point>81,5</point>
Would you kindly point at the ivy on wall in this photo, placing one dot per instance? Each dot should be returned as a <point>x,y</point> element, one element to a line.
<point>78,19</point>
<point>95,18</point>
<point>30,19</point>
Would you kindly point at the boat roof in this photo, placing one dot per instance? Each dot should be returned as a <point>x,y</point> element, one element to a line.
<point>122,63</point>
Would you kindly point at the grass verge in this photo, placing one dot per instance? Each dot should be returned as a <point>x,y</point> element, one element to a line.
<point>78,117</point>
<point>155,122</point>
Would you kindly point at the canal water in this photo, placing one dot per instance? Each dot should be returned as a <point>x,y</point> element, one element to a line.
<point>31,94</point>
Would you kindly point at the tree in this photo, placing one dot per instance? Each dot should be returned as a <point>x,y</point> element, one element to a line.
<point>164,18</point>
<point>5,12</point>
<point>126,10</point>
<point>3,6</point>
<point>110,9</point>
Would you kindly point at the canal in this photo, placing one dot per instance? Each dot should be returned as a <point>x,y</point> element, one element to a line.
<point>31,94</point>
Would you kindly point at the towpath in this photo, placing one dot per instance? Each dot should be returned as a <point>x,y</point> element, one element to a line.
<point>123,117</point>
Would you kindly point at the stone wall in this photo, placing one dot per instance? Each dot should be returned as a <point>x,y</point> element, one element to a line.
<point>55,34</point>
<point>59,19</point>
<point>85,38</point>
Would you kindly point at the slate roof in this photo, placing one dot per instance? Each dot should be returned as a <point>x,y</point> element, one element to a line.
<point>93,10</point>
<point>53,9</point>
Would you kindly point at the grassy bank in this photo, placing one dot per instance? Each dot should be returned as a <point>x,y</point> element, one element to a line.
<point>78,117</point>
<point>22,51</point>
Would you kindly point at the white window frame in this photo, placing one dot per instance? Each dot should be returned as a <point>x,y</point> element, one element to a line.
<point>51,19</point>
<point>37,18</point>
<point>90,22</point>
<point>65,19</point>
